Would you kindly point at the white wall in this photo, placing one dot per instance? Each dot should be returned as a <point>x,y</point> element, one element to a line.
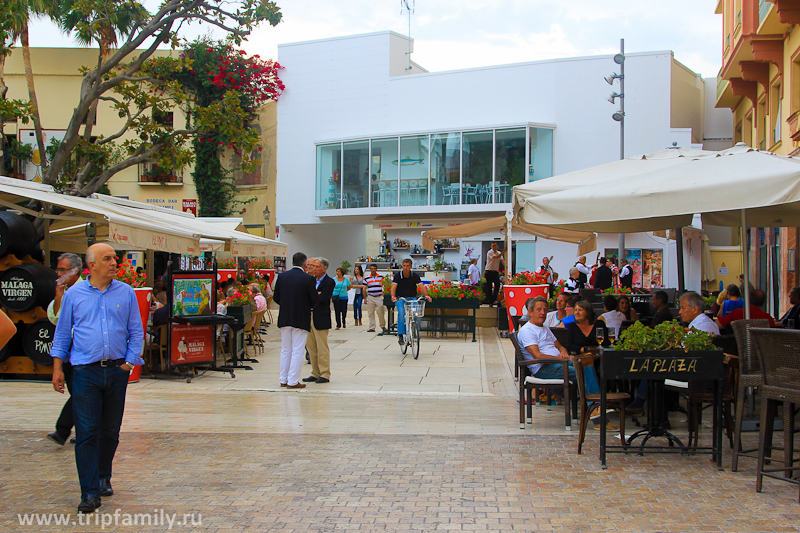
<point>335,242</point>
<point>341,88</point>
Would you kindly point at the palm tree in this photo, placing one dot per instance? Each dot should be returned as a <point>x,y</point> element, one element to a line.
<point>21,12</point>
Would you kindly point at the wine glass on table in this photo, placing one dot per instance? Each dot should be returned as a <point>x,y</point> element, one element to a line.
<point>600,335</point>
<point>612,334</point>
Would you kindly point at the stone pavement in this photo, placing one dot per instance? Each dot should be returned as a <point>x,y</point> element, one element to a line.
<point>391,444</point>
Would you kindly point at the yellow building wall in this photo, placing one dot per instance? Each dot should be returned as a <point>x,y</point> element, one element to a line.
<point>730,258</point>
<point>58,81</point>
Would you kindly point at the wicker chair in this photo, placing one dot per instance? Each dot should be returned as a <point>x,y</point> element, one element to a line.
<point>779,354</point>
<point>590,401</point>
<point>527,383</point>
<point>749,376</point>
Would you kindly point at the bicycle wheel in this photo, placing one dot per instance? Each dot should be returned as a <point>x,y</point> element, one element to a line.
<point>404,346</point>
<point>414,339</point>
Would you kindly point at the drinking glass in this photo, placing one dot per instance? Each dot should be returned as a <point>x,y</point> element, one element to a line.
<point>600,335</point>
<point>612,334</point>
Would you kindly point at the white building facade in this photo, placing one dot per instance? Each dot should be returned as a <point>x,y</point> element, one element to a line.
<point>368,139</point>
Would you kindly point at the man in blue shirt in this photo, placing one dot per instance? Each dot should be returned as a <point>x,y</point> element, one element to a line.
<point>100,334</point>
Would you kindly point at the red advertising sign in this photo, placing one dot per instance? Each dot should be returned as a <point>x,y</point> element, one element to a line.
<point>190,206</point>
<point>191,344</point>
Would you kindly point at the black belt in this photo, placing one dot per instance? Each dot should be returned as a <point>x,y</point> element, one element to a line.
<point>108,362</point>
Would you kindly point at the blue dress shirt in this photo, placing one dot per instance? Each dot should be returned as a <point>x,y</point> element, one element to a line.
<point>95,325</point>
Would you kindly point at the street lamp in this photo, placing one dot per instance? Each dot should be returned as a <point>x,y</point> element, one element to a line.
<point>619,116</point>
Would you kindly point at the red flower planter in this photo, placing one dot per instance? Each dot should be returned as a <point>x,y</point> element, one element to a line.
<point>517,295</point>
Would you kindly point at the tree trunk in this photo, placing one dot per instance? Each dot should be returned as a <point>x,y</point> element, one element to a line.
<point>37,123</point>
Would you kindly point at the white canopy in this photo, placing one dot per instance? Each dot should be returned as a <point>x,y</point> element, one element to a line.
<point>586,241</point>
<point>763,185</point>
<point>128,224</point>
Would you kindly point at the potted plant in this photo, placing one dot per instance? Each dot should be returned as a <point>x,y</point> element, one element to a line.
<point>239,305</point>
<point>519,288</point>
<point>19,154</point>
<point>144,295</point>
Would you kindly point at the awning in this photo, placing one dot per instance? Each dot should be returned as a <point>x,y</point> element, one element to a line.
<point>586,241</point>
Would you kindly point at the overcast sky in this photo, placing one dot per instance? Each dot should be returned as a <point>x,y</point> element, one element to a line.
<point>451,34</point>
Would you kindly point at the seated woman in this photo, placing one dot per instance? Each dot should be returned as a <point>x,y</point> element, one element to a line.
<point>722,297</point>
<point>734,300</point>
<point>570,310</point>
<point>627,309</point>
<point>581,334</point>
<point>612,317</point>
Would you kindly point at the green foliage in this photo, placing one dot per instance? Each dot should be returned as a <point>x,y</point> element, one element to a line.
<point>711,300</point>
<point>345,266</point>
<point>142,87</point>
<point>665,336</point>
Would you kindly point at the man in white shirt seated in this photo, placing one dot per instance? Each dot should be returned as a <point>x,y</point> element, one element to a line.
<point>554,318</point>
<point>540,342</point>
<point>691,310</point>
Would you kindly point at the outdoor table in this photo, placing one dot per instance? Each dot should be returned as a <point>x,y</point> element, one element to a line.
<point>656,367</point>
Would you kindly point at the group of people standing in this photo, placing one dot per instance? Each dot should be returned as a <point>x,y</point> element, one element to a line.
<point>600,274</point>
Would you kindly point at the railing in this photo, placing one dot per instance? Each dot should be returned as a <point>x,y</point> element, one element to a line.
<point>763,9</point>
<point>722,83</point>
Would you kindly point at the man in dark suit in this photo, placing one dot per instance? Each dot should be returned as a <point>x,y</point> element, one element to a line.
<point>603,278</point>
<point>317,342</point>
<point>296,294</point>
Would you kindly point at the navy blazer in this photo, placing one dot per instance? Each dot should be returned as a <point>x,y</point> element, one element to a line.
<point>322,311</point>
<point>296,293</point>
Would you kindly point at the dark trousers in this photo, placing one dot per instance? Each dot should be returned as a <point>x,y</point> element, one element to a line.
<point>340,311</point>
<point>492,285</point>
<point>64,423</point>
<point>98,402</point>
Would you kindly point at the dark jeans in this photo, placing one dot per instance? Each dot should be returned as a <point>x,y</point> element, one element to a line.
<point>98,402</point>
<point>357,306</point>
<point>492,285</point>
<point>64,423</point>
<point>340,310</point>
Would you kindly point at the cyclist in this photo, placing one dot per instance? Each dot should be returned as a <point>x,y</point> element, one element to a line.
<point>404,285</point>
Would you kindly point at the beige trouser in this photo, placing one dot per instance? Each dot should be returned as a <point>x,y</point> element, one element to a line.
<point>373,303</point>
<point>319,353</point>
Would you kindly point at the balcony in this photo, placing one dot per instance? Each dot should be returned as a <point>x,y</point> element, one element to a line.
<point>150,174</point>
<point>769,20</point>
<point>725,96</point>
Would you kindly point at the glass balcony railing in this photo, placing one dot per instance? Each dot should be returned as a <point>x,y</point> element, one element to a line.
<point>763,9</point>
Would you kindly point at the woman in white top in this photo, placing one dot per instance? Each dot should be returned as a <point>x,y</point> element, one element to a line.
<point>612,317</point>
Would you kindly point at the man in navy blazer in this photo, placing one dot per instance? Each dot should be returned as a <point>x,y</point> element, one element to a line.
<point>317,343</point>
<point>296,293</point>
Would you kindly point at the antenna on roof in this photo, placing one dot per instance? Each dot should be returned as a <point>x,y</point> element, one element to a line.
<point>408,5</point>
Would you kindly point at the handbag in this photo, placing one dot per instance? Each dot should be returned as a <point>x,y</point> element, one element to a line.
<point>334,298</point>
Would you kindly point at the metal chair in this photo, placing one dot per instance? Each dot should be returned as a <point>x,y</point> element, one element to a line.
<point>527,384</point>
<point>405,188</point>
<point>749,376</point>
<point>779,354</point>
<point>422,189</point>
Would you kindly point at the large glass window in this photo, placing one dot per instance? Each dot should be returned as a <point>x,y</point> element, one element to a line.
<point>477,161</point>
<point>384,174</point>
<point>445,169</point>
<point>541,164</point>
<point>509,162</point>
<point>329,171</point>
<point>355,172</point>
<point>413,166</point>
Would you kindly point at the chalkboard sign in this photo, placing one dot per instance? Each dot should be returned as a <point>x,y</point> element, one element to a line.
<point>668,364</point>
<point>37,341</point>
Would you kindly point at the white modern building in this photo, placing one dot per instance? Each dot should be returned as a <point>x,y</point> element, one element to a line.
<point>369,140</point>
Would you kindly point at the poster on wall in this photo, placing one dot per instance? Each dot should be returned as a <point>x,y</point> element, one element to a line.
<point>191,344</point>
<point>191,294</point>
<point>33,168</point>
<point>634,257</point>
<point>652,268</point>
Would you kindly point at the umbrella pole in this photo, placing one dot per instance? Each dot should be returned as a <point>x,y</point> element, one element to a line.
<point>746,263</point>
<point>510,254</point>
<point>679,257</point>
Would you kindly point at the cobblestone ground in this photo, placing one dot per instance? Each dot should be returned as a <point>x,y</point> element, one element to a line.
<point>243,455</point>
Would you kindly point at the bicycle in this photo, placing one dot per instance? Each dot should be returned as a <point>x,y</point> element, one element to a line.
<point>414,310</point>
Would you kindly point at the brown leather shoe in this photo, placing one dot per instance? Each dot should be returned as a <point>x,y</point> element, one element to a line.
<point>296,386</point>
<point>283,384</point>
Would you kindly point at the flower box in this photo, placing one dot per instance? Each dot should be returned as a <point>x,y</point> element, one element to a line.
<point>453,303</point>
<point>242,313</point>
<point>517,295</point>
